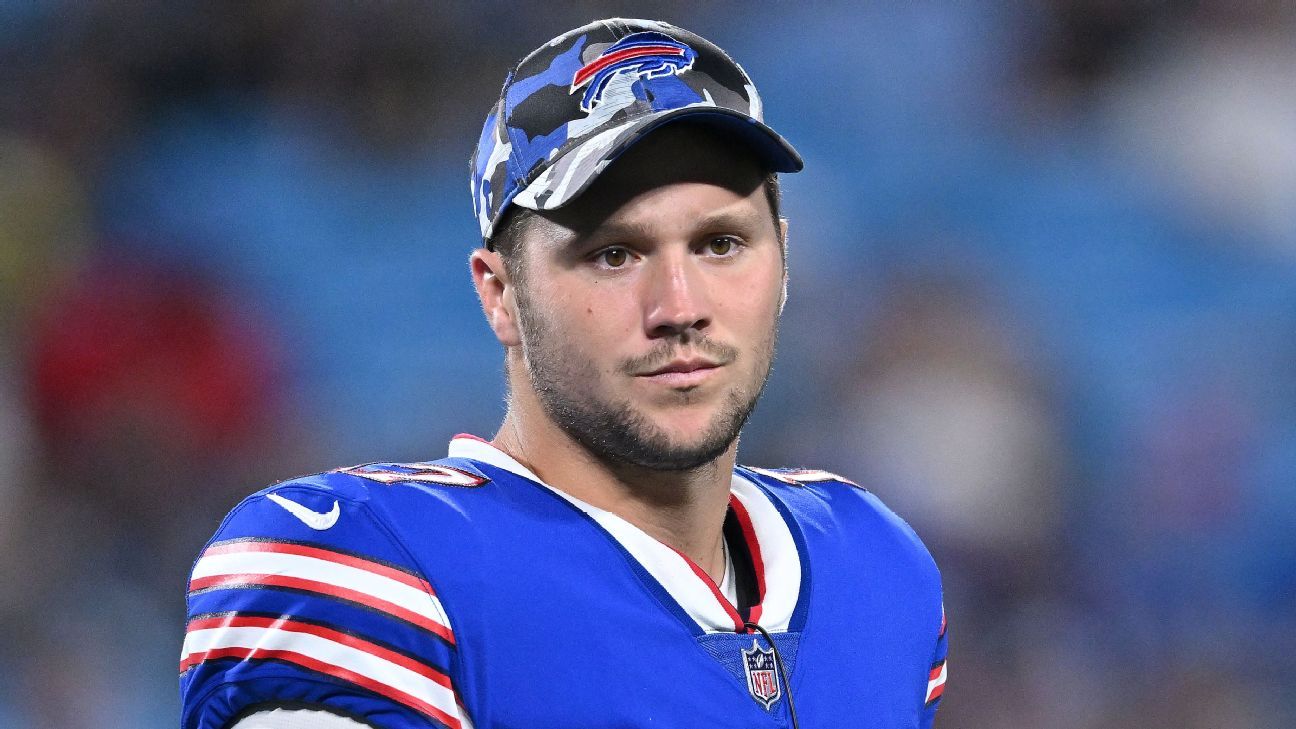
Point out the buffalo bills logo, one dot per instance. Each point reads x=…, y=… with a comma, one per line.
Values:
x=645, y=55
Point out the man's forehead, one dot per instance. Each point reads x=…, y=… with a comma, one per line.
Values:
x=741, y=212
x=681, y=207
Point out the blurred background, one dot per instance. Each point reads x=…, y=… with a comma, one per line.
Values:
x=1043, y=304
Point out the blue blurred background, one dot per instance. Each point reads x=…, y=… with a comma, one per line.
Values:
x=1043, y=303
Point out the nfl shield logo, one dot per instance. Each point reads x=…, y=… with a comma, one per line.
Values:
x=762, y=675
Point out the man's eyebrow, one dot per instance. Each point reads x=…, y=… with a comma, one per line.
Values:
x=618, y=230
x=719, y=220
x=742, y=219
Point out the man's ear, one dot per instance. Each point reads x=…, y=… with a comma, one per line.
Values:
x=498, y=298
x=783, y=241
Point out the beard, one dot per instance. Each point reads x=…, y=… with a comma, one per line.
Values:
x=566, y=383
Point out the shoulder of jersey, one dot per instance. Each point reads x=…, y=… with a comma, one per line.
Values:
x=359, y=511
x=810, y=491
x=799, y=476
x=369, y=480
x=315, y=577
x=825, y=495
x=358, y=506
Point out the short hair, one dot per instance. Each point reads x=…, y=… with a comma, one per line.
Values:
x=510, y=231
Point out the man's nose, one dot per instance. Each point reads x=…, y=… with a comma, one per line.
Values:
x=677, y=299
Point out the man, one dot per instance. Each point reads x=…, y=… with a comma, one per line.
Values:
x=602, y=561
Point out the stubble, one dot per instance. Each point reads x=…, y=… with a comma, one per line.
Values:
x=570, y=390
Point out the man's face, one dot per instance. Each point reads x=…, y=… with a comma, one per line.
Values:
x=649, y=306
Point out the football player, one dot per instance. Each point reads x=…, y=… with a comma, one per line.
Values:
x=601, y=561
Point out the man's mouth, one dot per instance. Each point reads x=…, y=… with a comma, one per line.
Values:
x=683, y=372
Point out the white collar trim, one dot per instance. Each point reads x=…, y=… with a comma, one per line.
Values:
x=687, y=584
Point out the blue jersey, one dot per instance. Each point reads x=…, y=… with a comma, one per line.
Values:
x=466, y=592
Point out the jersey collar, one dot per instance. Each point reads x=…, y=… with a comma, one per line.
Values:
x=769, y=541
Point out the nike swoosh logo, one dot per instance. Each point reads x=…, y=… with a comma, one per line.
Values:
x=316, y=520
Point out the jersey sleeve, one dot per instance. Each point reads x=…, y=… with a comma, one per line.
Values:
x=304, y=598
x=936, y=675
x=297, y=719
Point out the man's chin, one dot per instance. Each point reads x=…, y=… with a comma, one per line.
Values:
x=684, y=433
x=676, y=446
x=665, y=455
x=649, y=435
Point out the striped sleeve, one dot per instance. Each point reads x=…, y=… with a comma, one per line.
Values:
x=936, y=675
x=304, y=599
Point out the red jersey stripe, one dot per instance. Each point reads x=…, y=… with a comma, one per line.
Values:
x=753, y=548
x=739, y=627
x=322, y=588
x=329, y=669
x=328, y=555
x=294, y=626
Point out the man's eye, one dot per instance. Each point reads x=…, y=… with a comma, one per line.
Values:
x=614, y=257
x=721, y=246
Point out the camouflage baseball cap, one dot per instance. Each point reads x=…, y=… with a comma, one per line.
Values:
x=577, y=102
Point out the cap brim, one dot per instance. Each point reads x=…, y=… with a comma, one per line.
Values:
x=571, y=174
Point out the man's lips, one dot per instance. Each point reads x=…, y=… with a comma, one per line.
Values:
x=682, y=372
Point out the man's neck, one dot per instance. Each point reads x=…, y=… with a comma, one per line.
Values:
x=684, y=510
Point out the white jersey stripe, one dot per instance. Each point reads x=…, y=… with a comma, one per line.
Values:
x=935, y=683
x=666, y=565
x=324, y=571
x=670, y=569
x=778, y=552
x=326, y=651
